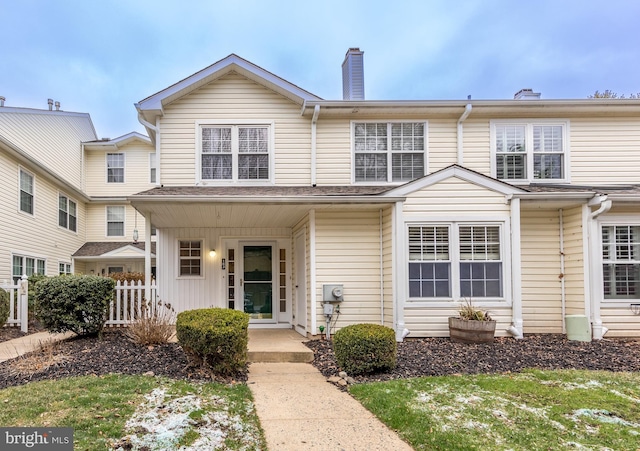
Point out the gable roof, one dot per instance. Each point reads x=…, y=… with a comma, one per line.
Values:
x=153, y=105
x=117, y=143
x=111, y=248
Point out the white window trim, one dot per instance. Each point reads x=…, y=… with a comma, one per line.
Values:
x=203, y=254
x=69, y=264
x=609, y=220
x=455, y=300
x=106, y=222
x=25, y=255
x=234, y=179
x=153, y=155
x=33, y=176
x=106, y=167
x=565, y=123
x=69, y=199
x=389, y=151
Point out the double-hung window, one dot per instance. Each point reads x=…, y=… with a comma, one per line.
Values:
x=455, y=261
x=26, y=265
x=236, y=153
x=621, y=261
x=190, y=258
x=26, y=192
x=115, y=168
x=64, y=268
x=388, y=151
x=530, y=151
x=67, y=213
x=115, y=220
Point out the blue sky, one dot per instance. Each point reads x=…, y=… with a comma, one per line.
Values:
x=102, y=56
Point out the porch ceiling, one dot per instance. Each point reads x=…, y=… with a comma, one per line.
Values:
x=246, y=215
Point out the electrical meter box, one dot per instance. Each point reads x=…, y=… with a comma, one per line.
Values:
x=332, y=293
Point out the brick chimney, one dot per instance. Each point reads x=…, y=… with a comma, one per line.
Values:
x=353, y=75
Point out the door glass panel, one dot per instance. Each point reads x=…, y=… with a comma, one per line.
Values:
x=258, y=282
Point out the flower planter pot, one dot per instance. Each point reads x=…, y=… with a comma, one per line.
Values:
x=470, y=331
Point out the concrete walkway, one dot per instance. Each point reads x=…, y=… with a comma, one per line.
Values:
x=18, y=346
x=299, y=411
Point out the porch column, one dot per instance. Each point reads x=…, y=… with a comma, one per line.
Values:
x=399, y=273
x=147, y=256
x=516, y=327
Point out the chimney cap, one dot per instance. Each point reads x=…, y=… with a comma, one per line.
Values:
x=526, y=93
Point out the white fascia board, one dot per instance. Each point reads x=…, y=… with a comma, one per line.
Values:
x=231, y=62
x=457, y=172
x=127, y=247
x=266, y=201
x=107, y=257
x=119, y=141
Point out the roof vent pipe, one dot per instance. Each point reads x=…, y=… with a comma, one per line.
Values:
x=57, y=106
x=353, y=75
x=2, y=99
x=50, y=102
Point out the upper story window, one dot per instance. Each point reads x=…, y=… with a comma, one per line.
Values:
x=67, y=213
x=236, y=153
x=115, y=220
x=153, y=168
x=621, y=261
x=532, y=151
x=26, y=192
x=115, y=168
x=388, y=151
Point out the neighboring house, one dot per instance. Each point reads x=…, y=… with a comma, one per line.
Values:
x=265, y=197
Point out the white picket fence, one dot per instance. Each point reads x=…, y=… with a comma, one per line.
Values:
x=18, y=304
x=129, y=298
x=128, y=301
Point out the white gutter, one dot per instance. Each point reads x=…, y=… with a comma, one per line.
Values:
x=465, y=114
x=597, y=329
x=314, y=121
x=333, y=200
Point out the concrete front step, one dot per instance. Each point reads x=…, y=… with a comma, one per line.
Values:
x=280, y=356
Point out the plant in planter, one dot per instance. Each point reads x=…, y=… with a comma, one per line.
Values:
x=473, y=325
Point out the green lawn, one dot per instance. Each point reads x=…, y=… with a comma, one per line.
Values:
x=533, y=410
x=106, y=409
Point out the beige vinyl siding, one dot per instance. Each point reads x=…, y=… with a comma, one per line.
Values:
x=434, y=322
x=443, y=144
x=348, y=252
x=477, y=145
x=37, y=236
x=620, y=321
x=574, y=261
x=97, y=223
x=455, y=197
x=303, y=225
x=54, y=139
x=333, y=152
x=541, y=284
x=136, y=171
x=208, y=290
x=234, y=98
x=605, y=151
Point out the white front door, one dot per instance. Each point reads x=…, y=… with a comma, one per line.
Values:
x=300, y=284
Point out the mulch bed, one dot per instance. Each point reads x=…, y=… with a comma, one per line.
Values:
x=441, y=356
x=114, y=353
x=416, y=357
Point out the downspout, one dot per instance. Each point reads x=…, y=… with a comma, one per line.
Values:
x=517, y=326
x=598, y=330
x=465, y=114
x=314, y=121
x=381, y=271
x=563, y=294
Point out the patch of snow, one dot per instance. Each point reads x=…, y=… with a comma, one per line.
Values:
x=625, y=396
x=603, y=416
x=471, y=399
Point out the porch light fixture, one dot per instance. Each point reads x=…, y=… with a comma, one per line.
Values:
x=212, y=253
x=135, y=235
x=635, y=309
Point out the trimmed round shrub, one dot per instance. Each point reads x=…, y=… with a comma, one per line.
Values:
x=33, y=280
x=4, y=307
x=214, y=338
x=365, y=348
x=75, y=303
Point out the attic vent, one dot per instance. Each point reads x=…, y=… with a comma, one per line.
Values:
x=353, y=75
x=2, y=99
x=526, y=94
